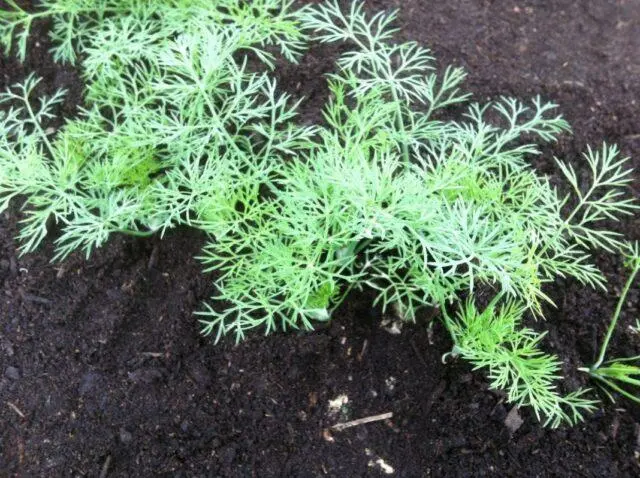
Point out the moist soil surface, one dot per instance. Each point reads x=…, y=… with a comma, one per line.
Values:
x=103, y=371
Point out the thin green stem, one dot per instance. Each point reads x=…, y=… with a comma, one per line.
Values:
x=401, y=127
x=37, y=126
x=614, y=320
x=132, y=232
x=620, y=376
x=612, y=385
x=622, y=360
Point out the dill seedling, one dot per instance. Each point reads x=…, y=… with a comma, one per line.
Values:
x=618, y=373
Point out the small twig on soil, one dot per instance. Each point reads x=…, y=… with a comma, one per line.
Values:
x=363, y=349
x=417, y=351
x=632, y=136
x=442, y=385
x=153, y=258
x=61, y=272
x=574, y=83
x=361, y=421
x=152, y=354
x=105, y=467
x=33, y=298
x=13, y=407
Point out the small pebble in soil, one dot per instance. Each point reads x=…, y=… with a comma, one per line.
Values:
x=337, y=403
x=89, y=382
x=125, y=436
x=390, y=385
x=378, y=462
x=7, y=347
x=513, y=421
x=185, y=426
x=228, y=454
x=12, y=372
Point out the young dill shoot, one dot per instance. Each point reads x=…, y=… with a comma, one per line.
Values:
x=619, y=374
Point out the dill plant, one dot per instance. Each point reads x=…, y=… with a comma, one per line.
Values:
x=177, y=128
x=423, y=211
x=181, y=127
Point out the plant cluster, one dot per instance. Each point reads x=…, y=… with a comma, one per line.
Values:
x=183, y=125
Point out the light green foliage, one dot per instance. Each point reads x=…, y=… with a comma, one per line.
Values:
x=131, y=28
x=496, y=340
x=421, y=210
x=379, y=64
x=176, y=128
x=182, y=126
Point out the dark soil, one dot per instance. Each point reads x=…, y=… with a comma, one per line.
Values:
x=103, y=372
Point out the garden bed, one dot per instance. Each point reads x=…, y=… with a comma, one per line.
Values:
x=104, y=372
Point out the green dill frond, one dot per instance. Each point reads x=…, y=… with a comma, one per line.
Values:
x=495, y=340
x=398, y=69
x=81, y=26
x=605, y=197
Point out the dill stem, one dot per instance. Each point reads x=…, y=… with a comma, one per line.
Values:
x=614, y=320
x=401, y=127
x=133, y=232
x=37, y=126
